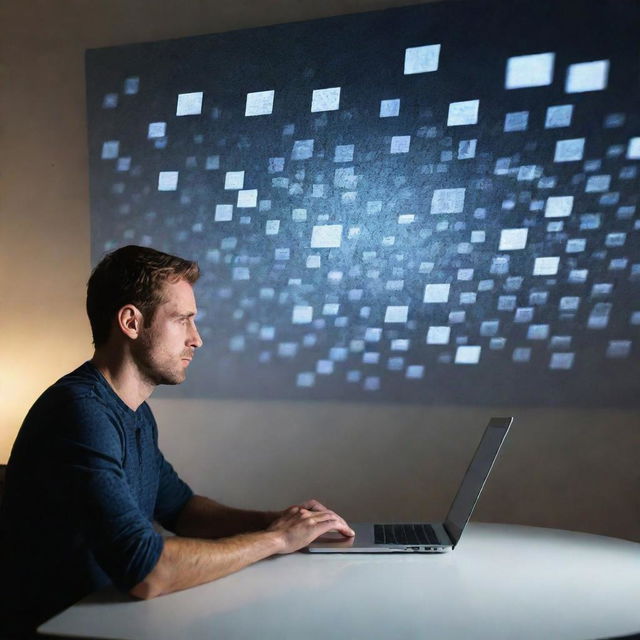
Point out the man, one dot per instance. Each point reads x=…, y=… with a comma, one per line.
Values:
x=86, y=479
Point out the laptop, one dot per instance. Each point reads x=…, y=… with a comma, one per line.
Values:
x=426, y=537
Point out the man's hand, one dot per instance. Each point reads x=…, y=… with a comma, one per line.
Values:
x=302, y=524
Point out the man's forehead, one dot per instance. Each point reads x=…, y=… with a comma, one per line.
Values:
x=179, y=297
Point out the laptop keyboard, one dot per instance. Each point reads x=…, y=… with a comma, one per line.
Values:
x=404, y=534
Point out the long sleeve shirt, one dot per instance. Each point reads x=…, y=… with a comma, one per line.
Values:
x=85, y=481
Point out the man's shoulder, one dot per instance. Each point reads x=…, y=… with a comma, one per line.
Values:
x=80, y=384
x=76, y=408
x=84, y=390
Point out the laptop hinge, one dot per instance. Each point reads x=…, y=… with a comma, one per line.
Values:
x=451, y=538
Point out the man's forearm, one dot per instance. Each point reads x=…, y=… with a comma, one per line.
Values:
x=204, y=518
x=188, y=562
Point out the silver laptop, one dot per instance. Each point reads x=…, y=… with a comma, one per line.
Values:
x=426, y=537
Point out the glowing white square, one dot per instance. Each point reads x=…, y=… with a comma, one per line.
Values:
x=558, y=116
x=234, y=180
x=587, y=76
x=110, y=149
x=167, y=180
x=396, y=314
x=421, y=59
x=302, y=314
x=415, y=371
x=406, y=218
x=302, y=150
x=448, y=200
x=338, y=354
x=326, y=236
x=522, y=354
x=400, y=344
x=324, y=367
x=110, y=101
x=558, y=207
x=438, y=335
x=259, y=103
x=343, y=153
x=373, y=334
x=241, y=273
x=538, y=332
x=516, y=121
x=547, y=266
x=467, y=149
x=569, y=150
x=224, y=212
x=267, y=333
x=400, y=144
x=330, y=309
x=306, y=379
x=598, y=184
x=435, y=293
x=325, y=99
x=247, y=198
x=561, y=360
x=527, y=172
x=633, y=149
x=272, y=228
x=344, y=178
x=131, y=85
x=619, y=349
x=157, y=130
x=389, y=108
x=576, y=245
x=313, y=262
x=512, y=239
x=468, y=355
x=534, y=70
x=461, y=113
x=189, y=104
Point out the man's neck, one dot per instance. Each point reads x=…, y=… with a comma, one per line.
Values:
x=124, y=378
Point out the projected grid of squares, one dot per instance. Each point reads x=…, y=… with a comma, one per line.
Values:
x=467, y=235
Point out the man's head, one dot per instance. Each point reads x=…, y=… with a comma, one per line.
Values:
x=132, y=275
x=144, y=298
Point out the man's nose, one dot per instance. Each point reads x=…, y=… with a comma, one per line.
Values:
x=195, y=339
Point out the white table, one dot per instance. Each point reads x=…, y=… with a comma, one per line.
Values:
x=502, y=581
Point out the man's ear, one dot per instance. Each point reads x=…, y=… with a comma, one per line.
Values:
x=130, y=321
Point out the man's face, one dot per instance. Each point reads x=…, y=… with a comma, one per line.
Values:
x=164, y=349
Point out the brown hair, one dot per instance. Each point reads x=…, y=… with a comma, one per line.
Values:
x=132, y=275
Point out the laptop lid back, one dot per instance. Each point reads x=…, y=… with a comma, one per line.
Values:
x=475, y=477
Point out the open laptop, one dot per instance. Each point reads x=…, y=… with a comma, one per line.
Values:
x=423, y=537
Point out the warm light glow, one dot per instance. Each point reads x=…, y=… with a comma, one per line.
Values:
x=29, y=375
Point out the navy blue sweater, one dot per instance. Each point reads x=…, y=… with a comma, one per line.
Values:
x=85, y=481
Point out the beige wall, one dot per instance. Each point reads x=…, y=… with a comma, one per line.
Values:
x=570, y=468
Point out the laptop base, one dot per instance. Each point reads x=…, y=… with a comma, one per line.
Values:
x=364, y=542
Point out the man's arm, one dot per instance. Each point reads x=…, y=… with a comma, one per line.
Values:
x=204, y=518
x=187, y=562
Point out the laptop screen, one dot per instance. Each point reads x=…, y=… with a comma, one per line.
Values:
x=475, y=477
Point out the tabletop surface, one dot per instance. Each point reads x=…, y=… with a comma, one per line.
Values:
x=501, y=581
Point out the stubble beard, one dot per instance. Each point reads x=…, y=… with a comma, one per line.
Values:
x=152, y=369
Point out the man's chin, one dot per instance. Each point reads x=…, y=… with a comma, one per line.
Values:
x=174, y=379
